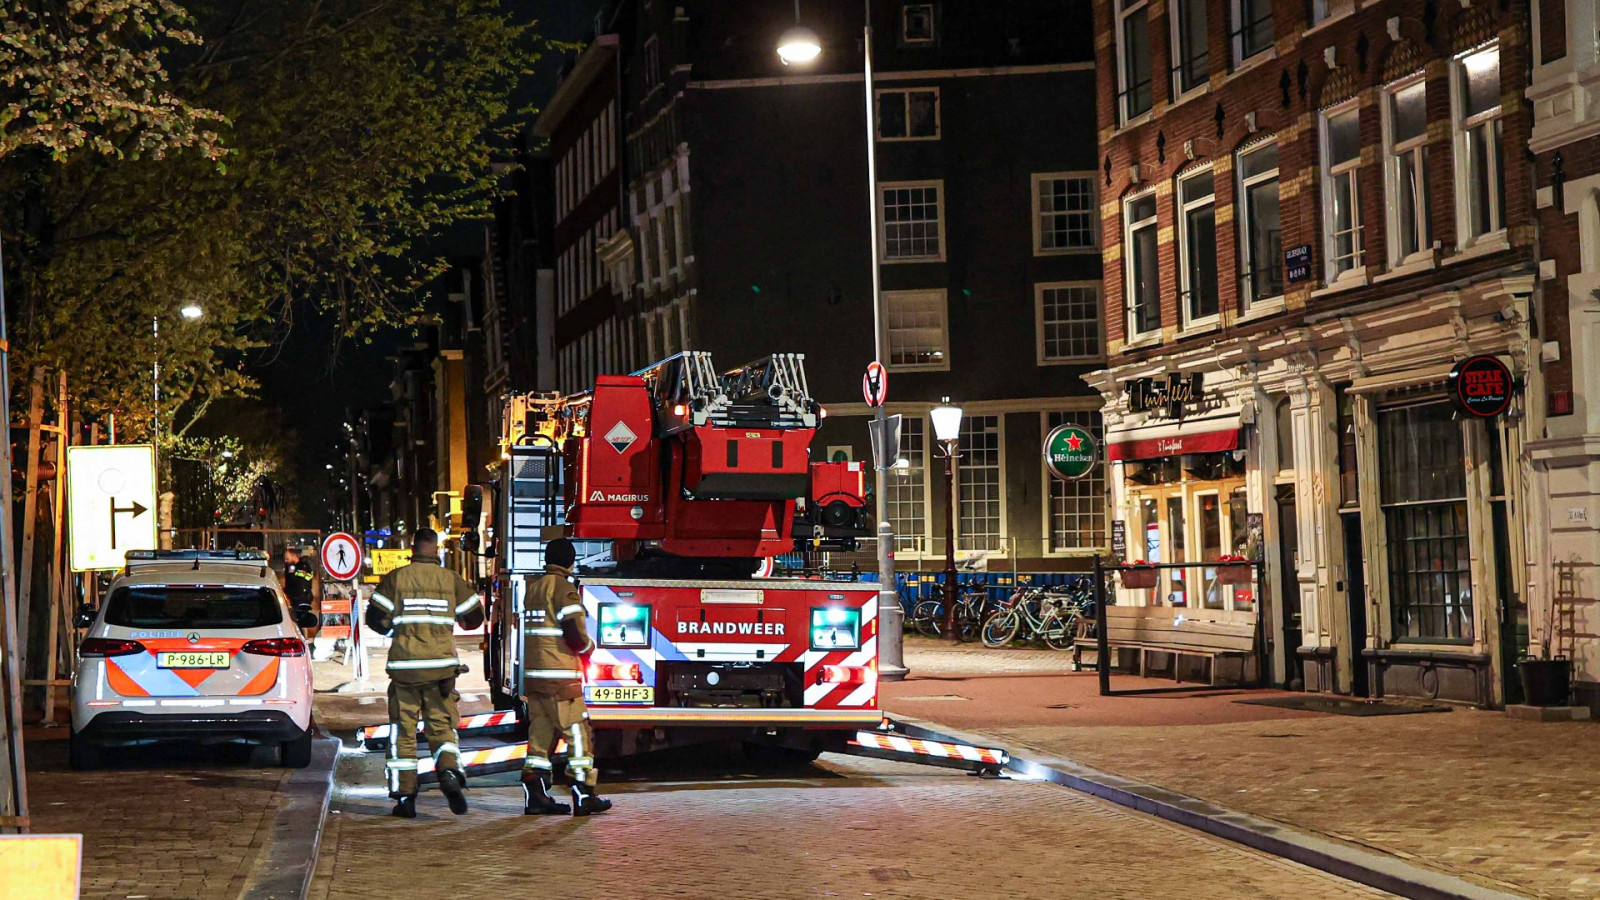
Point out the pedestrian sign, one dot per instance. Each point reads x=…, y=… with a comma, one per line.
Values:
x=111, y=496
x=1070, y=452
x=387, y=560
x=341, y=556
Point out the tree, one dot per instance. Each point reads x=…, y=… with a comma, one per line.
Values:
x=356, y=132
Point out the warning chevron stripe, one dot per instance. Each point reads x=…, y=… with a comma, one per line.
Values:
x=894, y=743
x=376, y=737
x=479, y=762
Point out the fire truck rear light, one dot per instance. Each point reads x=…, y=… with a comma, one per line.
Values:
x=844, y=675
x=108, y=647
x=680, y=410
x=276, y=647
x=615, y=672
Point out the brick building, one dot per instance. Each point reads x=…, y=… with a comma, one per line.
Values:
x=1565, y=499
x=1309, y=216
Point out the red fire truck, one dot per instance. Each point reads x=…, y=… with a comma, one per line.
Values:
x=676, y=483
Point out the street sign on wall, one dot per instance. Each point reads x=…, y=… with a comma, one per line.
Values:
x=341, y=556
x=1070, y=451
x=111, y=500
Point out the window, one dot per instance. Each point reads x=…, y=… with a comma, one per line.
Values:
x=1143, y=269
x=1260, y=228
x=1064, y=213
x=1550, y=28
x=908, y=499
x=1197, y=244
x=1423, y=494
x=1077, y=515
x=1252, y=28
x=910, y=115
x=1341, y=209
x=1480, y=157
x=1191, y=67
x=1405, y=123
x=1069, y=321
x=189, y=608
x=1133, y=58
x=652, y=63
x=916, y=24
x=979, y=526
x=915, y=328
x=911, y=221
x=669, y=237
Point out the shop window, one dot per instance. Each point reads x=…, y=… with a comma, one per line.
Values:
x=1133, y=56
x=1197, y=244
x=1260, y=226
x=982, y=485
x=1423, y=495
x=1189, y=36
x=908, y=509
x=1240, y=541
x=1144, y=267
x=1078, y=508
x=908, y=115
x=1177, y=532
x=1405, y=125
x=1480, y=154
x=1341, y=197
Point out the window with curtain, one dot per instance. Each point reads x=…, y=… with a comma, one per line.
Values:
x=1423, y=493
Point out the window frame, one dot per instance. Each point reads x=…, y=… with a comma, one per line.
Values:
x=933, y=24
x=652, y=63
x=1350, y=170
x=943, y=296
x=1093, y=212
x=1039, y=323
x=1180, y=67
x=905, y=94
x=1130, y=302
x=1101, y=473
x=1123, y=9
x=1002, y=533
x=1461, y=128
x=1416, y=147
x=1248, y=303
x=922, y=541
x=1237, y=31
x=883, y=221
x=1185, y=322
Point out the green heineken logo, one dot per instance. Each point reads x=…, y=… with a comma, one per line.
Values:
x=1070, y=451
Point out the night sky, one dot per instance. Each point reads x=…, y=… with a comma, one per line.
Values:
x=309, y=385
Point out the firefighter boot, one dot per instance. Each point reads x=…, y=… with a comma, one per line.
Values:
x=450, y=784
x=586, y=802
x=405, y=806
x=536, y=791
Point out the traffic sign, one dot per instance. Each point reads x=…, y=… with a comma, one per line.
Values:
x=386, y=560
x=875, y=384
x=341, y=556
x=111, y=492
x=1070, y=451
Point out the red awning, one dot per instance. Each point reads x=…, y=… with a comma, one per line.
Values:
x=1173, y=445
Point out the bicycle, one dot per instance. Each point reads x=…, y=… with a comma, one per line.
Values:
x=928, y=616
x=1051, y=615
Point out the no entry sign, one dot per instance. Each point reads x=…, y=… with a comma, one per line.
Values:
x=875, y=384
x=341, y=556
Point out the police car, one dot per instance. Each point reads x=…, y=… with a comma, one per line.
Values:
x=193, y=645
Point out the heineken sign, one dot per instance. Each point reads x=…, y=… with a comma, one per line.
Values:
x=1070, y=451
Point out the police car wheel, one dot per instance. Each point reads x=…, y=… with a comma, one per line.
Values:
x=81, y=754
x=295, y=754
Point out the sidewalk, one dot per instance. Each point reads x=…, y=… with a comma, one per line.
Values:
x=1507, y=804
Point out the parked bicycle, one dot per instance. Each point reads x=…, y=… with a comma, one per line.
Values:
x=971, y=608
x=1057, y=616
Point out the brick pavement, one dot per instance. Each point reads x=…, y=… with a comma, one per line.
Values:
x=848, y=828
x=1505, y=803
x=167, y=823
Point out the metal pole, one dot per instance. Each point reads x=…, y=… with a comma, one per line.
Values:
x=13, y=766
x=950, y=592
x=1102, y=641
x=891, y=618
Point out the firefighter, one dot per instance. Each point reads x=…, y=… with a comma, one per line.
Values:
x=557, y=646
x=297, y=577
x=420, y=604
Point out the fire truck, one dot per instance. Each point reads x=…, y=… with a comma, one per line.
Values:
x=679, y=484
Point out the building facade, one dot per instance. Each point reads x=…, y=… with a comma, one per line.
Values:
x=747, y=213
x=1310, y=215
x=1565, y=458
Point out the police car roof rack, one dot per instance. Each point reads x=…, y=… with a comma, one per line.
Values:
x=150, y=557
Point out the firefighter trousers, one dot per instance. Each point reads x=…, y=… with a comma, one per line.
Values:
x=434, y=703
x=550, y=719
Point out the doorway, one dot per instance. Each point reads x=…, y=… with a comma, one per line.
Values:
x=1356, y=595
x=1289, y=585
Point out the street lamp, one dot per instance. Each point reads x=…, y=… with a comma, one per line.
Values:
x=191, y=312
x=947, y=431
x=798, y=46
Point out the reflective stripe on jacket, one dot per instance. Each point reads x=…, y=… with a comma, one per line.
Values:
x=550, y=666
x=421, y=604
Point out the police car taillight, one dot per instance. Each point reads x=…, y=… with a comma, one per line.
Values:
x=108, y=647
x=843, y=675
x=615, y=672
x=276, y=647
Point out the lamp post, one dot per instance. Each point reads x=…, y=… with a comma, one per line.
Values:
x=799, y=45
x=947, y=431
x=190, y=311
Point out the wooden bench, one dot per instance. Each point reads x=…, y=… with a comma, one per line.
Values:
x=1177, y=634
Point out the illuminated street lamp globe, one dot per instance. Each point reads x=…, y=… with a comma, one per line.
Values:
x=799, y=45
x=946, y=421
x=191, y=312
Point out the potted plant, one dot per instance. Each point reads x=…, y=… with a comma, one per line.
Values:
x=1139, y=574
x=1235, y=574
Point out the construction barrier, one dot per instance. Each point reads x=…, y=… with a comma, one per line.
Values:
x=376, y=737
x=883, y=745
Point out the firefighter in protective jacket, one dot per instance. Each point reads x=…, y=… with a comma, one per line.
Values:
x=556, y=644
x=420, y=604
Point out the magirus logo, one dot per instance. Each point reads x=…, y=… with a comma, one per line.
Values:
x=599, y=496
